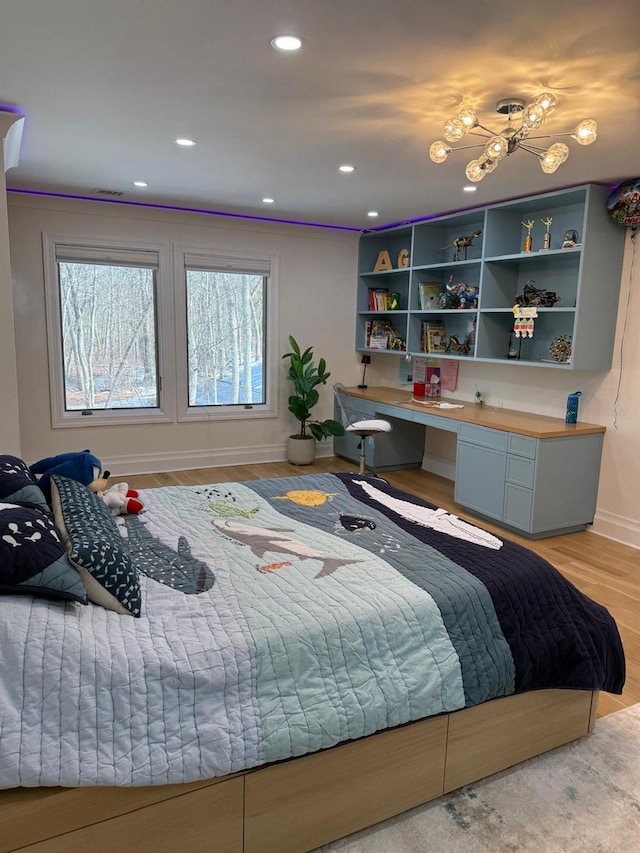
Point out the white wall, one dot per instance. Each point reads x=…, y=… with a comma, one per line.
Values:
x=609, y=398
x=9, y=422
x=317, y=275
x=317, y=305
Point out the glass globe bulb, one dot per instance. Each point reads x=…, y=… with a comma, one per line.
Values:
x=586, y=132
x=533, y=116
x=439, y=151
x=468, y=117
x=496, y=148
x=474, y=171
x=454, y=130
x=549, y=162
x=560, y=151
x=547, y=101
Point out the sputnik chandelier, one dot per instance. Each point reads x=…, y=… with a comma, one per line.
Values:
x=522, y=118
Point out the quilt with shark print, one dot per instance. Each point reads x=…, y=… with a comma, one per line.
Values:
x=281, y=617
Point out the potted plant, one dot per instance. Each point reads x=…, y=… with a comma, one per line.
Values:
x=305, y=376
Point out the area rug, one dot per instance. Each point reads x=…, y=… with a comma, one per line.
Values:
x=579, y=798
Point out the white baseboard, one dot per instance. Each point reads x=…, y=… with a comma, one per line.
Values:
x=185, y=460
x=617, y=527
x=607, y=524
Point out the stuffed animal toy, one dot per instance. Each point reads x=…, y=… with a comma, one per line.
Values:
x=82, y=466
x=122, y=500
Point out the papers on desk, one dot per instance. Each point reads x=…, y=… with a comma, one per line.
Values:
x=437, y=404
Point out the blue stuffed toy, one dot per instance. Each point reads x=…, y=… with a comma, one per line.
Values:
x=82, y=466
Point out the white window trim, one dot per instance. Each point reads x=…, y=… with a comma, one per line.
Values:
x=165, y=412
x=268, y=409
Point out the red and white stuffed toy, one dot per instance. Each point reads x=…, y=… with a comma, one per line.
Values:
x=122, y=500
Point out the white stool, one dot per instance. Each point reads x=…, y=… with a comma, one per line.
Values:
x=365, y=429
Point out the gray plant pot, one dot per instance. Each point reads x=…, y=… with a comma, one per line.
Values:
x=301, y=450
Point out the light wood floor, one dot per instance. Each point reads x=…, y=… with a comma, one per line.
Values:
x=606, y=571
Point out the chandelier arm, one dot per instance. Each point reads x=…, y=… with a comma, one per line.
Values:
x=462, y=147
x=490, y=132
x=550, y=135
x=534, y=149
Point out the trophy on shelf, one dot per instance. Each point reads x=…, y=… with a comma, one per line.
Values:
x=528, y=241
x=547, y=237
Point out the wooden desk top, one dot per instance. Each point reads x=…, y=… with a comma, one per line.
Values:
x=509, y=420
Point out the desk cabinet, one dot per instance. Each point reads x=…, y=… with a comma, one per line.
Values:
x=539, y=487
x=480, y=470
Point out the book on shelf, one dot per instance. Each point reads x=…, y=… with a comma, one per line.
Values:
x=378, y=342
x=432, y=337
x=378, y=298
x=377, y=334
x=380, y=334
x=429, y=296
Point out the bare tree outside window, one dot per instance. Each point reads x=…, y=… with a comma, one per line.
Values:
x=226, y=341
x=109, y=340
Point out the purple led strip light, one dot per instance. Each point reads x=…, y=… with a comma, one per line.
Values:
x=184, y=209
x=243, y=215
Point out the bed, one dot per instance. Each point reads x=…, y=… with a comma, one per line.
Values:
x=286, y=661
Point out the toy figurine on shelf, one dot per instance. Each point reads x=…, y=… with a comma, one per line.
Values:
x=547, y=237
x=462, y=243
x=528, y=240
x=536, y=296
x=570, y=239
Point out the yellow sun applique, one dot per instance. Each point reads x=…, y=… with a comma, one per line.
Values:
x=306, y=498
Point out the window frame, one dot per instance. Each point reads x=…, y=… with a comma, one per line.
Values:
x=60, y=416
x=216, y=257
x=171, y=331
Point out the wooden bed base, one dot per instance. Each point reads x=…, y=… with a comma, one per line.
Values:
x=299, y=804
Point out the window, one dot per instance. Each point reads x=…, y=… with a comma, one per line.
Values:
x=225, y=331
x=109, y=341
x=226, y=334
x=119, y=316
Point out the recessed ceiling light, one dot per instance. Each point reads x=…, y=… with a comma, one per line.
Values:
x=372, y=213
x=469, y=189
x=287, y=43
x=185, y=142
x=268, y=200
x=140, y=184
x=347, y=168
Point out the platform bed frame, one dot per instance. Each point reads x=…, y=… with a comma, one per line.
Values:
x=299, y=804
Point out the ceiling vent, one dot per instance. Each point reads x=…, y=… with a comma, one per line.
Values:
x=110, y=193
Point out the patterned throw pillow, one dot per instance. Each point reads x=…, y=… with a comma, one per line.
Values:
x=33, y=560
x=18, y=485
x=95, y=547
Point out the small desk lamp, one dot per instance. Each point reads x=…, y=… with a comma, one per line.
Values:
x=366, y=359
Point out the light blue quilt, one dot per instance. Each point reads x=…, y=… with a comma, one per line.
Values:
x=280, y=617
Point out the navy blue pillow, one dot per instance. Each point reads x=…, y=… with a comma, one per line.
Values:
x=18, y=485
x=33, y=560
x=95, y=547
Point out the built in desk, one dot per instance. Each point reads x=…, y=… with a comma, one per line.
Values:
x=531, y=473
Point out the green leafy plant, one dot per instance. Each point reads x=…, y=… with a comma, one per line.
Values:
x=305, y=377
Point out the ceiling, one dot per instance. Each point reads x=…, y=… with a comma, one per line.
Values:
x=108, y=85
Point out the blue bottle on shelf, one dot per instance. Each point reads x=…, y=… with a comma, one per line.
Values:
x=572, y=407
